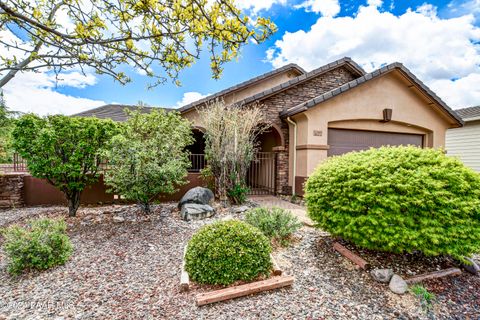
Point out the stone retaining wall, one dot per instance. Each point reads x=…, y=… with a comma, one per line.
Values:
x=11, y=190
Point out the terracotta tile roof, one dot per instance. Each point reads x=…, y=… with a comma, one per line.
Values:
x=115, y=112
x=471, y=113
x=241, y=85
x=335, y=92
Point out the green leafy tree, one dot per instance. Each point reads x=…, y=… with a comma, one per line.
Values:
x=148, y=157
x=398, y=199
x=7, y=123
x=66, y=151
x=105, y=34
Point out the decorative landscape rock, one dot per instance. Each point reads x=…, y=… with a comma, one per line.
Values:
x=118, y=219
x=197, y=195
x=382, y=275
x=195, y=211
x=240, y=209
x=473, y=268
x=398, y=285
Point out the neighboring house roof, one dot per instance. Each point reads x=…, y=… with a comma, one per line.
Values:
x=367, y=77
x=344, y=62
x=469, y=114
x=242, y=85
x=115, y=112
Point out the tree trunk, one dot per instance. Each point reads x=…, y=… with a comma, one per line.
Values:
x=73, y=203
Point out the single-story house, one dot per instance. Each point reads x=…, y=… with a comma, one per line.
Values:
x=329, y=111
x=464, y=142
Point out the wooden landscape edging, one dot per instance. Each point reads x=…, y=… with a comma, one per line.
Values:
x=244, y=289
x=351, y=256
x=276, y=269
x=434, y=275
x=184, y=278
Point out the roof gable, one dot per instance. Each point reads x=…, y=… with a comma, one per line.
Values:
x=367, y=77
x=243, y=85
x=344, y=62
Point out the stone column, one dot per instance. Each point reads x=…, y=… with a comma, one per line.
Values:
x=281, y=170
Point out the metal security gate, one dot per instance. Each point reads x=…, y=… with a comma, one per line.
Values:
x=261, y=174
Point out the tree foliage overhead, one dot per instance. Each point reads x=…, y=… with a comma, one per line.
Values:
x=149, y=156
x=104, y=34
x=398, y=199
x=66, y=151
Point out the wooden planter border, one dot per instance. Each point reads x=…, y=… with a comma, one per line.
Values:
x=244, y=290
x=277, y=281
x=434, y=275
x=359, y=261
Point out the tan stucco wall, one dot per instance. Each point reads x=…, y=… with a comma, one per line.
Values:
x=361, y=108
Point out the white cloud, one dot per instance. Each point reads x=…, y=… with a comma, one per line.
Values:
x=436, y=50
x=327, y=8
x=34, y=92
x=463, y=92
x=375, y=3
x=189, y=97
x=257, y=5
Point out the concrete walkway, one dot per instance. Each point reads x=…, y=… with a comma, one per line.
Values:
x=272, y=201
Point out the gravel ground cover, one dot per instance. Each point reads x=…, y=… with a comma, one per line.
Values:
x=127, y=266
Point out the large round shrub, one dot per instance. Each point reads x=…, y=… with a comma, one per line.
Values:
x=398, y=199
x=227, y=251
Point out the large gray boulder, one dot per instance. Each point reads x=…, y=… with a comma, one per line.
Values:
x=195, y=211
x=398, y=285
x=197, y=195
x=382, y=275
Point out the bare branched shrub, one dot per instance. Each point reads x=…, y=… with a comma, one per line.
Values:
x=230, y=144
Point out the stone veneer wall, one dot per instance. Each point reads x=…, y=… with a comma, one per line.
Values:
x=11, y=190
x=291, y=97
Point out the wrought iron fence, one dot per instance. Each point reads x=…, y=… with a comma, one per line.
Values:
x=198, y=162
x=18, y=165
x=261, y=174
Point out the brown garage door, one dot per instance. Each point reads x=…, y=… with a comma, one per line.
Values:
x=342, y=141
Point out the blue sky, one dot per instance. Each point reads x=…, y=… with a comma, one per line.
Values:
x=438, y=40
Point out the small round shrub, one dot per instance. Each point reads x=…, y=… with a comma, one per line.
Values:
x=276, y=223
x=398, y=199
x=226, y=251
x=41, y=245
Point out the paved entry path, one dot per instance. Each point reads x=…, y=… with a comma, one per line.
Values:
x=272, y=201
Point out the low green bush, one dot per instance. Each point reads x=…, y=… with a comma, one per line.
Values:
x=276, y=223
x=238, y=194
x=226, y=251
x=41, y=245
x=398, y=199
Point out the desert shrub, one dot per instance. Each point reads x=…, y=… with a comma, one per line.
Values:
x=398, y=199
x=41, y=245
x=208, y=180
x=226, y=251
x=276, y=223
x=148, y=157
x=238, y=193
x=230, y=145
